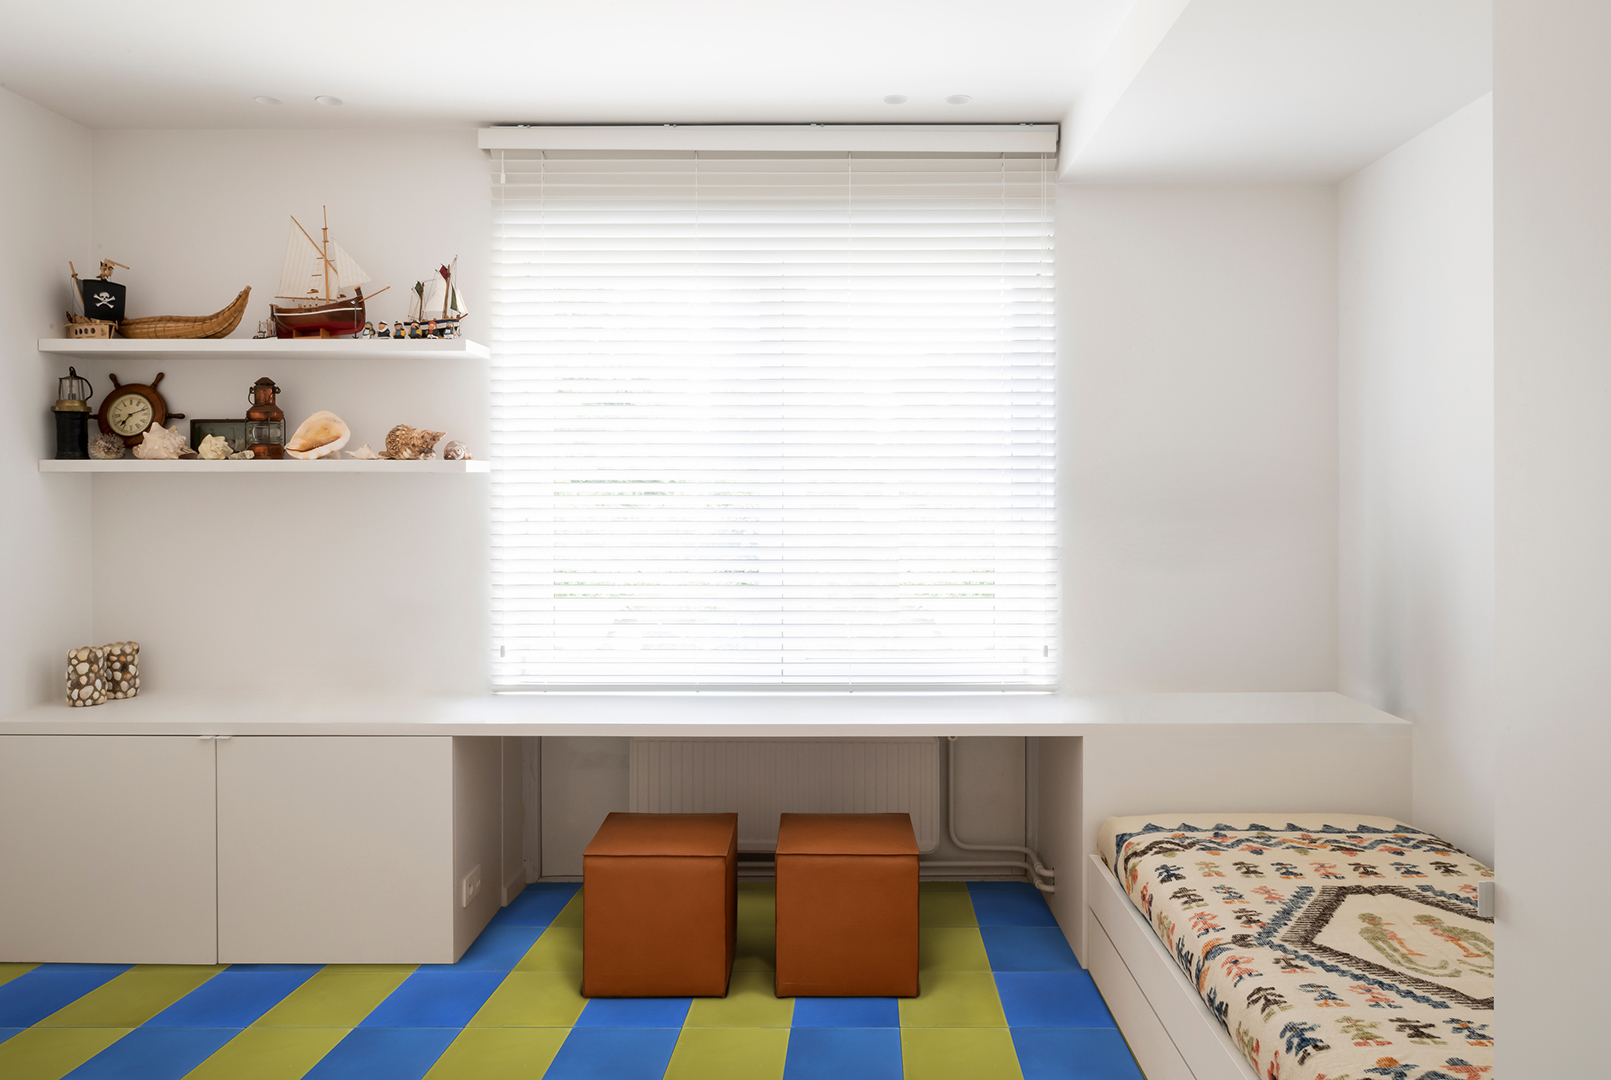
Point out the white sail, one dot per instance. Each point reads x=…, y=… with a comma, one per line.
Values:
x=345, y=273
x=303, y=276
x=436, y=298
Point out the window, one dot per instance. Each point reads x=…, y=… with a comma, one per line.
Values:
x=773, y=420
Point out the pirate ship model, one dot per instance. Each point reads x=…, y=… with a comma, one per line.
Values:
x=325, y=285
x=438, y=301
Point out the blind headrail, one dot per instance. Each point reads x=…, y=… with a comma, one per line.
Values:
x=783, y=138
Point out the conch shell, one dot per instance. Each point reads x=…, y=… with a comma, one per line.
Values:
x=161, y=444
x=214, y=448
x=455, y=451
x=404, y=443
x=320, y=435
x=363, y=453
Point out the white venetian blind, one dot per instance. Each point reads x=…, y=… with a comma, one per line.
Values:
x=773, y=420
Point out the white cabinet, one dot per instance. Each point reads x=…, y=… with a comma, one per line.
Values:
x=107, y=849
x=352, y=850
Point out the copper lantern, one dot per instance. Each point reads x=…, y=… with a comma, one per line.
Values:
x=265, y=422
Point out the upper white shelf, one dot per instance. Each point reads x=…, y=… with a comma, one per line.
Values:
x=261, y=348
x=288, y=465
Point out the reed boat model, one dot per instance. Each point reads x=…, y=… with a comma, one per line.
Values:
x=220, y=323
x=325, y=285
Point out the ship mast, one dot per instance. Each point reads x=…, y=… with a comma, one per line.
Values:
x=325, y=252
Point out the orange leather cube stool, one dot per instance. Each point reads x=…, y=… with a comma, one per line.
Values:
x=660, y=905
x=846, y=906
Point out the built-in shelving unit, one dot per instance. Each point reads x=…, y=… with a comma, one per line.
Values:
x=262, y=349
x=291, y=465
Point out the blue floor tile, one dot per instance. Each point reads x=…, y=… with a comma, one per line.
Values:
x=846, y=1012
x=1028, y=948
x=613, y=1054
x=499, y=948
x=1009, y=903
x=149, y=1053
x=1074, y=1054
x=634, y=1013
x=836, y=1053
x=537, y=905
x=435, y=998
x=378, y=1053
x=231, y=999
x=1051, y=999
x=29, y=998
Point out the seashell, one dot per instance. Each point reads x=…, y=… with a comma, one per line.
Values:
x=214, y=448
x=406, y=443
x=242, y=455
x=320, y=435
x=161, y=444
x=363, y=453
x=456, y=451
x=107, y=448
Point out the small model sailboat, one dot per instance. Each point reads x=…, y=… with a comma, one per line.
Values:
x=324, y=285
x=438, y=300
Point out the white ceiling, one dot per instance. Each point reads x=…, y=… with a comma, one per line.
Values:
x=1146, y=89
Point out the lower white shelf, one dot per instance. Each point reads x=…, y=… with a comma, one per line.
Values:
x=289, y=465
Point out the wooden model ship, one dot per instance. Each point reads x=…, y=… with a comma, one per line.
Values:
x=437, y=303
x=324, y=285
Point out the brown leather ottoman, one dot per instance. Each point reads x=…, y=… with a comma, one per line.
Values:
x=847, y=906
x=660, y=905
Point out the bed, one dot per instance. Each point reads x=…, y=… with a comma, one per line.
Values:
x=1292, y=947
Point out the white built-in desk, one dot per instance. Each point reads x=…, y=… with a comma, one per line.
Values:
x=352, y=828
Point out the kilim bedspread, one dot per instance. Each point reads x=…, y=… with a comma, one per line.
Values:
x=1331, y=947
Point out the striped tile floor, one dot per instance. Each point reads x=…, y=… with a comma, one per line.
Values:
x=1002, y=996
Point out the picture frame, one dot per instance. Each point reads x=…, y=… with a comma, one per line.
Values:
x=233, y=430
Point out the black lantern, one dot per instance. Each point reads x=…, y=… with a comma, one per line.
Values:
x=72, y=417
x=265, y=421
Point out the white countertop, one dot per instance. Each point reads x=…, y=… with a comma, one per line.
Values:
x=685, y=715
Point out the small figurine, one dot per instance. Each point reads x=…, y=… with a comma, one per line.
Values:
x=397, y=331
x=414, y=329
x=431, y=331
x=383, y=331
x=367, y=332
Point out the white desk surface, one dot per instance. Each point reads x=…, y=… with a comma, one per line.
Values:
x=688, y=715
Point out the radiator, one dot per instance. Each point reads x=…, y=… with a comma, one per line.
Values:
x=761, y=778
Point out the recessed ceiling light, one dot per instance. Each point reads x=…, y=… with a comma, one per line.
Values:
x=895, y=99
x=958, y=99
x=264, y=99
x=326, y=99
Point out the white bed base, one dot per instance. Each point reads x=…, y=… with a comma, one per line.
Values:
x=1171, y=1032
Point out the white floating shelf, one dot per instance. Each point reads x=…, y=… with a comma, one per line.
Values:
x=262, y=349
x=305, y=468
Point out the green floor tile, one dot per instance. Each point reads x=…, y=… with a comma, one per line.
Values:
x=132, y=998
x=729, y=1054
x=571, y=913
x=750, y=1003
x=499, y=1054
x=756, y=949
x=953, y=999
x=51, y=1053
x=269, y=1054
x=11, y=971
x=944, y=907
x=962, y=1054
x=333, y=998
x=951, y=948
x=558, y=949
x=757, y=903
x=534, y=999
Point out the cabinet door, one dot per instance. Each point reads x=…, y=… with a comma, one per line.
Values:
x=107, y=849
x=335, y=850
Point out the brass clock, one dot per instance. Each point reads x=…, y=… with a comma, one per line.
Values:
x=131, y=408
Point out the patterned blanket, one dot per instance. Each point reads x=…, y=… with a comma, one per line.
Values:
x=1330, y=947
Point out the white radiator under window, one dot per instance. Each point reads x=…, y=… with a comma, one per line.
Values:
x=761, y=778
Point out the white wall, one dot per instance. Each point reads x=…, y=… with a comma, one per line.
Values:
x=1416, y=402
x=277, y=582
x=44, y=526
x=1198, y=418
x=1552, y=526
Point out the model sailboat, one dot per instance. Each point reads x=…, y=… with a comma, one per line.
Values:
x=324, y=285
x=437, y=305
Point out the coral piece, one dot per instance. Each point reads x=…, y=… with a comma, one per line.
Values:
x=107, y=448
x=242, y=455
x=121, y=671
x=162, y=444
x=86, y=676
x=214, y=448
x=363, y=453
x=456, y=451
x=320, y=435
x=404, y=443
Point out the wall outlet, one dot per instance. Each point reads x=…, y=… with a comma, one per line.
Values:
x=470, y=887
